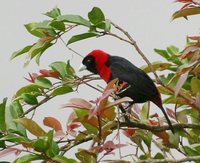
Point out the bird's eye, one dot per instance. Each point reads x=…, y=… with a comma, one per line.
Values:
x=89, y=60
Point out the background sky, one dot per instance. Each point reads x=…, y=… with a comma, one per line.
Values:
x=149, y=22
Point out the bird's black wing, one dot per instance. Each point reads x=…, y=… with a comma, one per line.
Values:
x=142, y=87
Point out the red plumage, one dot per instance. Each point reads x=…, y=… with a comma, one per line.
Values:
x=141, y=87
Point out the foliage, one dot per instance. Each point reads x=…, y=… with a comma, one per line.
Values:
x=99, y=120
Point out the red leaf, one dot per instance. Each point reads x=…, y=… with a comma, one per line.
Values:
x=8, y=151
x=187, y=52
x=153, y=122
x=129, y=132
x=53, y=123
x=78, y=103
x=180, y=83
x=171, y=113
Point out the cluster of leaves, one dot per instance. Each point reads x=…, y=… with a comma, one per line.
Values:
x=190, y=7
x=48, y=31
x=97, y=119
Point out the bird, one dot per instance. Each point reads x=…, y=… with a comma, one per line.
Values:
x=141, y=87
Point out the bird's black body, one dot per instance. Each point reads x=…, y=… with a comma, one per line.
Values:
x=140, y=86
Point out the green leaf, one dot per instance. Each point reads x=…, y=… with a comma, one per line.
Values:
x=163, y=53
x=174, y=139
x=195, y=85
x=54, y=13
x=62, y=90
x=159, y=156
x=27, y=158
x=70, y=70
x=21, y=51
x=96, y=15
x=85, y=156
x=173, y=50
x=186, y=12
x=36, y=32
x=40, y=145
x=76, y=19
x=43, y=82
x=2, y=115
x=33, y=89
x=63, y=159
x=157, y=66
x=14, y=138
x=144, y=112
x=190, y=151
x=31, y=126
x=58, y=25
x=38, y=49
x=29, y=99
x=12, y=112
x=80, y=37
x=60, y=67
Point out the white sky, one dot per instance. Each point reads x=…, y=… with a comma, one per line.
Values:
x=148, y=21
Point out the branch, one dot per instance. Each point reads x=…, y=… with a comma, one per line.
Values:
x=177, y=126
x=35, y=106
x=186, y=159
x=133, y=42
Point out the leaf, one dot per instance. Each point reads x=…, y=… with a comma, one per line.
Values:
x=157, y=66
x=63, y=159
x=13, y=111
x=163, y=53
x=60, y=67
x=173, y=50
x=86, y=156
x=21, y=51
x=2, y=115
x=31, y=126
x=76, y=19
x=43, y=82
x=62, y=90
x=38, y=48
x=54, y=13
x=180, y=83
x=96, y=15
x=119, y=101
x=29, y=99
x=195, y=85
x=53, y=123
x=40, y=145
x=58, y=25
x=144, y=112
x=27, y=158
x=36, y=32
x=27, y=89
x=186, y=12
x=80, y=37
x=78, y=103
x=9, y=151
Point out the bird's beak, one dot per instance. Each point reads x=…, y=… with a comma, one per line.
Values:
x=82, y=67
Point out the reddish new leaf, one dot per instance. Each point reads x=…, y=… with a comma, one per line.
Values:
x=53, y=123
x=78, y=103
x=171, y=113
x=119, y=101
x=129, y=132
x=186, y=12
x=180, y=83
x=8, y=151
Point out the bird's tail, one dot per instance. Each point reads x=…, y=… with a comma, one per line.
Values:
x=167, y=118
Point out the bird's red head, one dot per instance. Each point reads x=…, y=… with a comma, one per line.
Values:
x=96, y=61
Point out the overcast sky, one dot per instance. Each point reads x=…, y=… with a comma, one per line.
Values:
x=148, y=21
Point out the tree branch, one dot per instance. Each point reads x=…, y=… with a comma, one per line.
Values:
x=186, y=159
